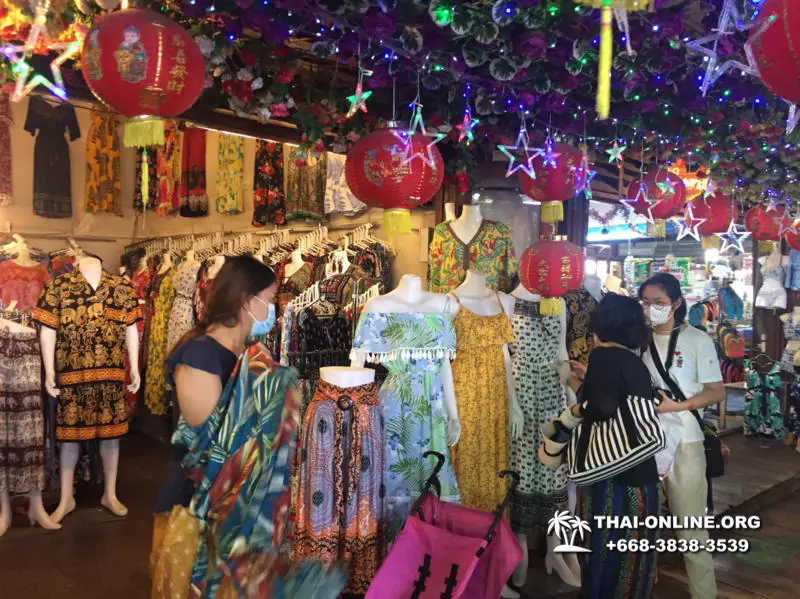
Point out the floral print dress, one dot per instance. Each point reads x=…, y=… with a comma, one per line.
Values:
x=230, y=174
x=155, y=392
x=762, y=408
x=412, y=347
x=268, y=199
x=490, y=252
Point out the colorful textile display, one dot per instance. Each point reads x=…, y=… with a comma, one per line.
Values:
x=268, y=196
x=103, y=189
x=230, y=174
x=193, y=198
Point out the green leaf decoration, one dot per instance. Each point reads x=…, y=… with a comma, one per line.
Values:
x=441, y=12
x=483, y=105
x=485, y=33
x=574, y=66
x=533, y=18
x=431, y=82
x=502, y=69
x=463, y=21
x=501, y=14
x=411, y=39
x=521, y=62
x=474, y=56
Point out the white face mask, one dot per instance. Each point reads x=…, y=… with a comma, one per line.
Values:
x=659, y=314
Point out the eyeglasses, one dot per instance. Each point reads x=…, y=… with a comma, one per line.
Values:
x=663, y=304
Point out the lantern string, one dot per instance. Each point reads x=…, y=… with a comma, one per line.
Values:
x=394, y=98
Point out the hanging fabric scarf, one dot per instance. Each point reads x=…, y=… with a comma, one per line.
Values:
x=193, y=198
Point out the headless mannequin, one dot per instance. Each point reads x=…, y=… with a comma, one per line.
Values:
x=296, y=263
x=793, y=345
x=775, y=259
x=407, y=297
x=92, y=270
x=593, y=285
x=449, y=211
x=23, y=253
x=191, y=260
x=215, y=266
x=347, y=376
x=36, y=511
x=468, y=224
x=565, y=565
x=142, y=266
x=166, y=264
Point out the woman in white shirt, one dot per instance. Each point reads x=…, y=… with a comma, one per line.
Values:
x=694, y=368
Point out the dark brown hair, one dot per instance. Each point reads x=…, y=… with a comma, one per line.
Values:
x=239, y=279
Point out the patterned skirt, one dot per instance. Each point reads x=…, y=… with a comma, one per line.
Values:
x=21, y=414
x=611, y=574
x=339, y=496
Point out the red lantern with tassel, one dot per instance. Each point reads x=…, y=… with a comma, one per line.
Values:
x=718, y=211
x=376, y=175
x=145, y=66
x=774, y=48
x=793, y=239
x=764, y=225
x=553, y=185
x=551, y=267
x=667, y=195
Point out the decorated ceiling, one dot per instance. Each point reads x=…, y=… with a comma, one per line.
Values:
x=681, y=86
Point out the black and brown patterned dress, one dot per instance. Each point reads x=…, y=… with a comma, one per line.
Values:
x=103, y=165
x=90, y=327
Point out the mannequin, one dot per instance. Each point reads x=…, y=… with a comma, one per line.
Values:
x=166, y=263
x=449, y=211
x=142, y=263
x=565, y=565
x=791, y=332
x=594, y=285
x=772, y=294
x=422, y=341
x=36, y=511
x=23, y=253
x=92, y=271
x=468, y=224
x=296, y=262
x=347, y=376
x=216, y=264
x=190, y=259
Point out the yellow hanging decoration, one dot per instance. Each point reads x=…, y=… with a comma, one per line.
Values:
x=552, y=212
x=710, y=243
x=550, y=306
x=657, y=229
x=140, y=132
x=396, y=221
x=145, y=180
x=766, y=247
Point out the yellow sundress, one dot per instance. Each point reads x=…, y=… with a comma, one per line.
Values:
x=155, y=388
x=479, y=379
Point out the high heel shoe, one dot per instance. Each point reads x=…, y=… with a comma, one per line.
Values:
x=556, y=562
x=43, y=520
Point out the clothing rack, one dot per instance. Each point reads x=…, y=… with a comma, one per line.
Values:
x=305, y=299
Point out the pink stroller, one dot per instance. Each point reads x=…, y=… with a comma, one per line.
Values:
x=447, y=551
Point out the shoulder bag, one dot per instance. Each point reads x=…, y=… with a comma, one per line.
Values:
x=715, y=464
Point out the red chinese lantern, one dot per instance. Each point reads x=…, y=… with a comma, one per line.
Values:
x=551, y=267
x=376, y=175
x=145, y=66
x=774, y=48
x=763, y=224
x=793, y=239
x=553, y=185
x=666, y=195
x=718, y=211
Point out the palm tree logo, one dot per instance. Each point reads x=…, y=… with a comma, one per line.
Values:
x=562, y=524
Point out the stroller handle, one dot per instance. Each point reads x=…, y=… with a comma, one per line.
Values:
x=498, y=513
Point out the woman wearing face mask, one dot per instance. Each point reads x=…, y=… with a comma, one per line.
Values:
x=689, y=357
x=231, y=449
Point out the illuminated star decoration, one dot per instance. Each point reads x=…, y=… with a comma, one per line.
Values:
x=615, y=153
x=732, y=238
x=791, y=122
x=789, y=221
x=666, y=186
x=526, y=164
x=418, y=128
x=630, y=203
x=466, y=127
x=26, y=78
x=688, y=224
x=583, y=177
x=710, y=190
x=358, y=101
x=728, y=17
x=548, y=155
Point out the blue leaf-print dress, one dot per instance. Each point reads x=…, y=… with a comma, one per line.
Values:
x=412, y=347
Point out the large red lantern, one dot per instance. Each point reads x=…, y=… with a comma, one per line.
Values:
x=793, y=239
x=145, y=66
x=718, y=211
x=551, y=267
x=376, y=174
x=775, y=38
x=663, y=198
x=764, y=224
x=555, y=181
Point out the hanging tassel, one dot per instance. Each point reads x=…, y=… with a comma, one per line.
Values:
x=142, y=132
x=552, y=212
x=657, y=229
x=766, y=247
x=550, y=306
x=710, y=243
x=145, y=180
x=604, y=66
x=397, y=221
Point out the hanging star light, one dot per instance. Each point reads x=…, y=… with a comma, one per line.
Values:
x=526, y=164
x=641, y=196
x=465, y=129
x=358, y=101
x=584, y=176
x=615, y=153
x=789, y=221
x=666, y=186
x=688, y=224
x=26, y=78
x=418, y=128
x=732, y=238
x=729, y=20
x=547, y=153
x=791, y=121
x=710, y=190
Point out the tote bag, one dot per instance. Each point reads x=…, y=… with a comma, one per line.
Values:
x=600, y=450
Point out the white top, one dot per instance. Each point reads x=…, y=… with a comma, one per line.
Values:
x=694, y=364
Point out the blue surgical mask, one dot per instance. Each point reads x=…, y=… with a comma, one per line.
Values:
x=262, y=327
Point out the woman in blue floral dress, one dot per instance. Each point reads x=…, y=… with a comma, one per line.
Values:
x=412, y=347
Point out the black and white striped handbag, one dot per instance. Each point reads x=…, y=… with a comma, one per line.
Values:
x=601, y=450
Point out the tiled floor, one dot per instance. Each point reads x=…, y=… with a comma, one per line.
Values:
x=97, y=556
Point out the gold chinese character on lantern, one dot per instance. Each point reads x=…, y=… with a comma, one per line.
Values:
x=178, y=42
x=175, y=85
x=180, y=57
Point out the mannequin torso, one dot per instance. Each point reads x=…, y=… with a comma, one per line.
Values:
x=408, y=296
x=449, y=211
x=23, y=257
x=295, y=264
x=468, y=224
x=216, y=264
x=92, y=271
x=477, y=297
x=166, y=263
x=343, y=376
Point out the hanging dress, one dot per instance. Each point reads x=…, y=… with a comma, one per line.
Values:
x=145, y=193
x=339, y=504
x=155, y=392
x=412, y=347
x=193, y=198
x=181, y=317
x=6, y=188
x=479, y=377
x=169, y=171
x=268, y=200
x=52, y=192
x=534, y=353
x=762, y=408
x=230, y=174
x=304, y=186
x=580, y=305
x=103, y=188
x=338, y=197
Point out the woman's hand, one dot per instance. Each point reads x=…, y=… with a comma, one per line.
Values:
x=576, y=410
x=578, y=369
x=668, y=404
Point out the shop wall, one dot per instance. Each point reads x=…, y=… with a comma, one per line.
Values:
x=106, y=235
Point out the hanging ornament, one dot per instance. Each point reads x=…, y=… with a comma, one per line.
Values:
x=710, y=189
x=549, y=155
x=417, y=130
x=775, y=38
x=730, y=20
x=688, y=224
x=792, y=119
x=695, y=181
x=637, y=203
x=465, y=129
x=717, y=211
x=764, y=226
x=615, y=154
x=26, y=79
x=667, y=194
x=522, y=146
x=551, y=267
x=358, y=101
x=584, y=175
x=732, y=238
x=556, y=181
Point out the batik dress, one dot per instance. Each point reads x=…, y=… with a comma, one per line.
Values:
x=762, y=408
x=103, y=188
x=412, y=347
x=155, y=391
